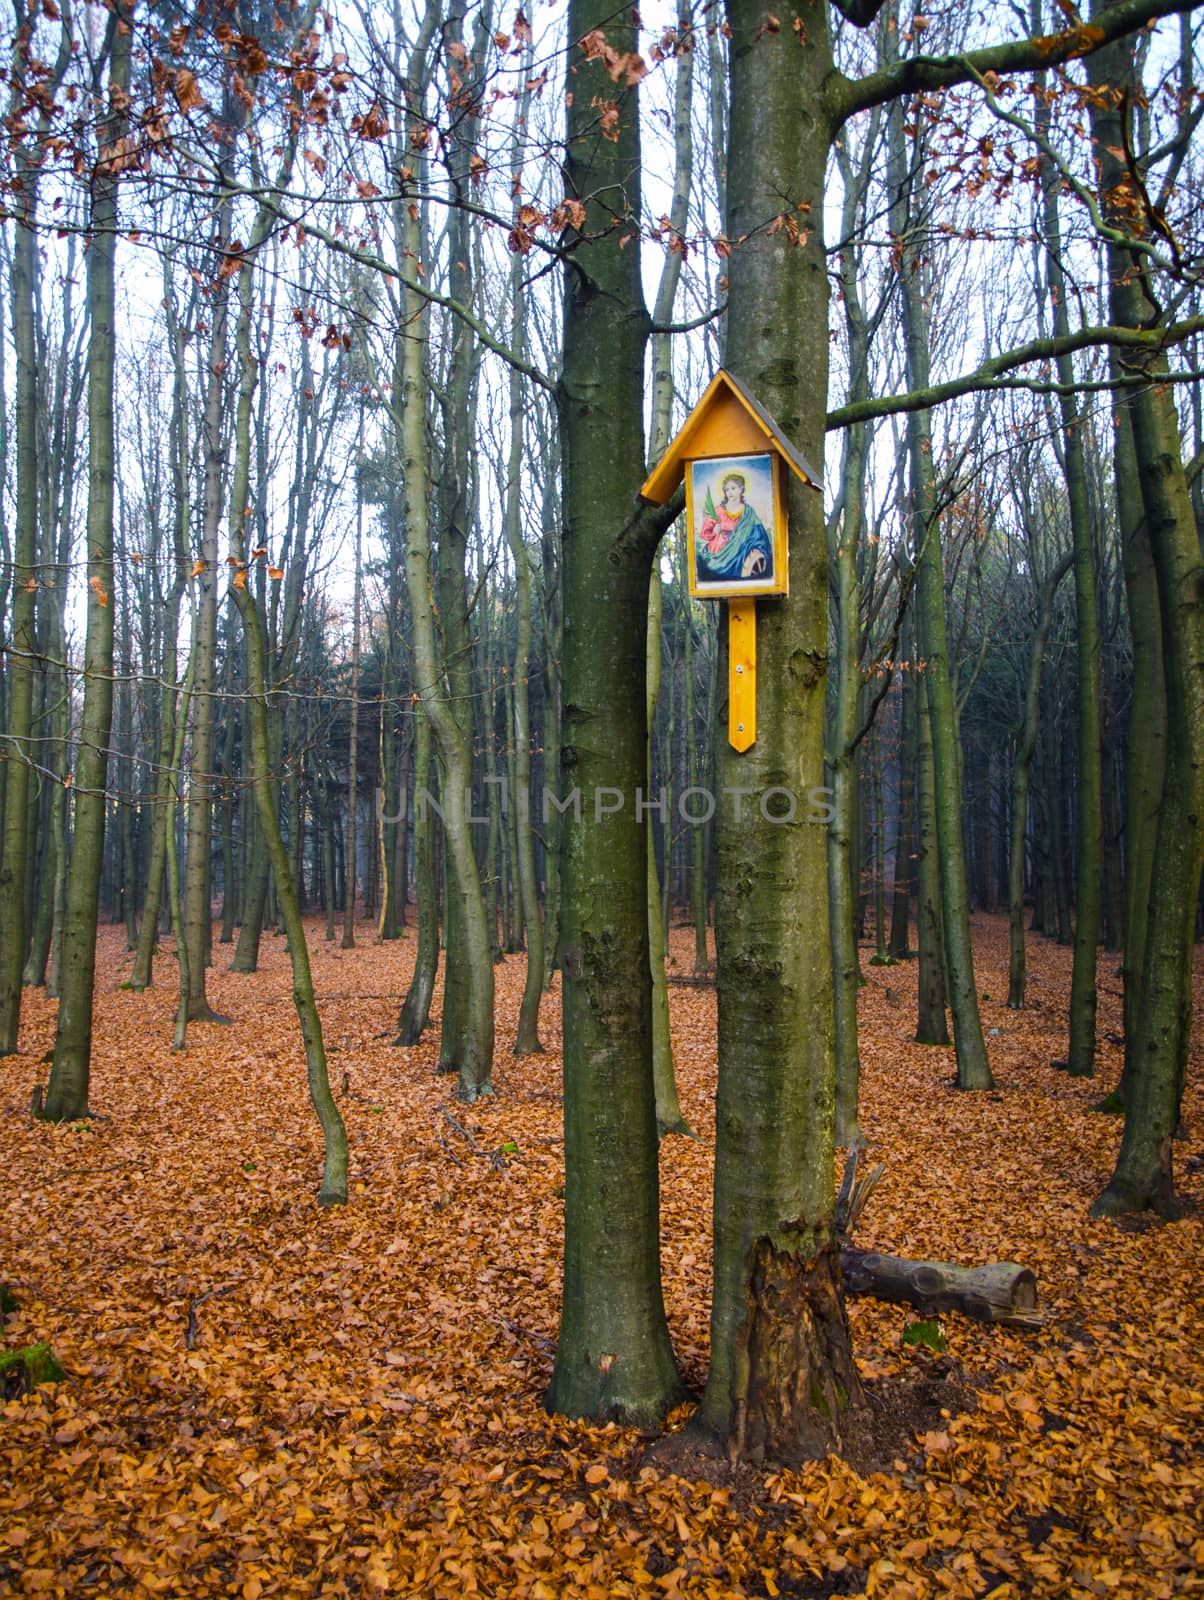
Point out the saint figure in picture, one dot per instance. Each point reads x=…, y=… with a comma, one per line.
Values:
x=732, y=543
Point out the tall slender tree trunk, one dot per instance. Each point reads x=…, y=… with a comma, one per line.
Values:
x=527, y=1039
x=1026, y=743
x=353, y=709
x=973, y=1067
x=67, y=1092
x=452, y=738
x=932, y=1025
x=19, y=663
x=1089, y=864
x=197, y=894
x=905, y=831
x=415, y=1010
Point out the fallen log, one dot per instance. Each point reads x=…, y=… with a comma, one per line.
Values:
x=1000, y=1291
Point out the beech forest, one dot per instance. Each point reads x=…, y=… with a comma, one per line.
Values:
x=601, y=799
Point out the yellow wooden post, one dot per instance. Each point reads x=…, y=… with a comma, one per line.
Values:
x=741, y=673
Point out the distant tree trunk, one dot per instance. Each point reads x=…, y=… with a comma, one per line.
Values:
x=353, y=710
x=231, y=884
x=973, y=1067
x=905, y=833
x=1089, y=880
x=669, y=1118
x=844, y=543
x=263, y=762
x=19, y=658
x=415, y=1011
x=549, y=811
x=394, y=773
x=197, y=895
x=1026, y=741
x=699, y=897
x=452, y=736
x=879, y=850
x=1114, y=886
x=932, y=1025
x=67, y=1092
x=527, y=1039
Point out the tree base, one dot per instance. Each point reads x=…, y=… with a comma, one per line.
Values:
x=206, y=1013
x=1122, y=1198
x=796, y=1384
x=471, y=1092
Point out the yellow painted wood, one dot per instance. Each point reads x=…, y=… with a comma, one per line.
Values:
x=741, y=673
x=725, y=422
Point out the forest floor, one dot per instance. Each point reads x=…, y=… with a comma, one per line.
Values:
x=268, y=1399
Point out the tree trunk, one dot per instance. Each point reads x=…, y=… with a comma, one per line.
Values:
x=932, y=1025
x=782, y=1374
x=527, y=1040
x=1089, y=865
x=23, y=644
x=905, y=833
x=1025, y=745
x=613, y=1357
x=67, y=1092
x=973, y=1067
x=474, y=959
x=415, y=1010
x=1144, y=1172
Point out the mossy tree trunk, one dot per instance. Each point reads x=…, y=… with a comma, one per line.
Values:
x=267, y=801
x=1158, y=1053
x=613, y=1356
x=905, y=834
x=1088, y=801
x=527, y=1039
x=67, y=1091
x=781, y=1371
x=19, y=658
x=470, y=959
x=973, y=1067
x=1026, y=741
x=416, y=1008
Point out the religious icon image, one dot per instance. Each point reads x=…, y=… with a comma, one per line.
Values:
x=734, y=514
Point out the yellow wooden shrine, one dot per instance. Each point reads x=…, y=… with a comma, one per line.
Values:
x=734, y=460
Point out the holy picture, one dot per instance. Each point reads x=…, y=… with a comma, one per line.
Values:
x=733, y=521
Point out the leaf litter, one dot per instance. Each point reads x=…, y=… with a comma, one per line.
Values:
x=264, y=1398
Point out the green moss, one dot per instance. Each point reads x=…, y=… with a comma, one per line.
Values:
x=8, y=1301
x=819, y=1401
x=931, y=1335
x=884, y=961
x=1111, y=1105
x=25, y=1369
